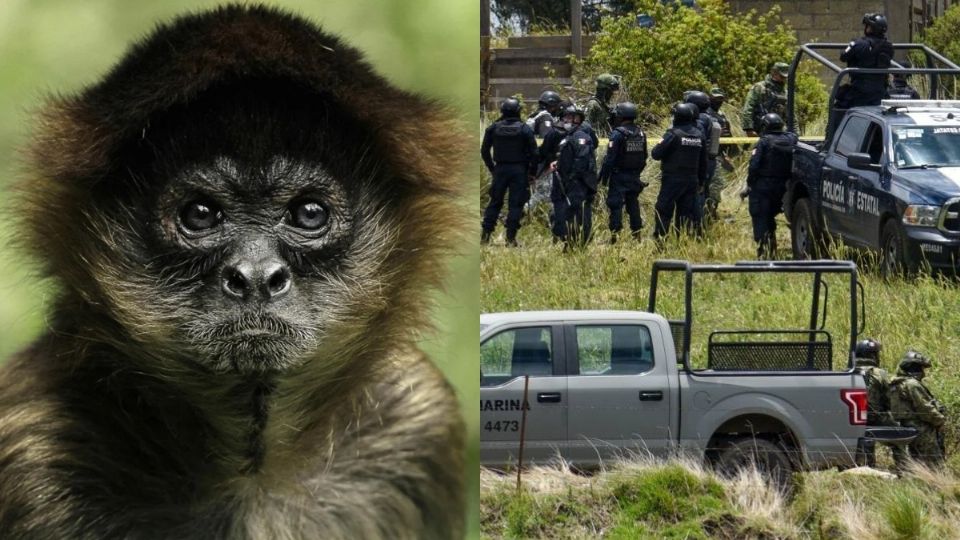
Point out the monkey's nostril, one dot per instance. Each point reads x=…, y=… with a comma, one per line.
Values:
x=278, y=282
x=235, y=283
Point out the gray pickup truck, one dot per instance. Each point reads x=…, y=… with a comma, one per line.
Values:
x=602, y=384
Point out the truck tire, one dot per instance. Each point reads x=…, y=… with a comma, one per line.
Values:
x=769, y=458
x=895, y=256
x=806, y=238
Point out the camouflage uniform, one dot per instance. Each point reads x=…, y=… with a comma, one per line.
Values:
x=717, y=182
x=913, y=405
x=597, y=112
x=766, y=96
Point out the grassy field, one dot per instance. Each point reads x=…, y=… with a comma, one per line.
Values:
x=920, y=313
x=60, y=46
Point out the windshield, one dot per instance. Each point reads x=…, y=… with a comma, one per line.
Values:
x=921, y=147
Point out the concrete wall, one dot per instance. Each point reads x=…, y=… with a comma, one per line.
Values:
x=833, y=20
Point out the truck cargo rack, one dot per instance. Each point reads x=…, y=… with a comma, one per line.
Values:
x=808, y=349
x=813, y=50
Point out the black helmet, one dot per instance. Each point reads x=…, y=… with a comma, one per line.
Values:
x=573, y=109
x=684, y=112
x=868, y=348
x=510, y=107
x=698, y=98
x=626, y=111
x=549, y=98
x=877, y=22
x=771, y=122
x=914, y=361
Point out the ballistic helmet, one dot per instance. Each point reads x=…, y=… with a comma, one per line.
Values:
x=549, y=98
x=877, y=22
x=913, y=362
x=868, y=348
x=607, y=81
x=626, y=111
x=771, y=122
x=684, y=112
x=510, y=107
x=698, y=98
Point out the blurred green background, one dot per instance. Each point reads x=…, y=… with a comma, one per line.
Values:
x=429, y=46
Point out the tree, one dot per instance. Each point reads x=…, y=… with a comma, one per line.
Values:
x=525, y=15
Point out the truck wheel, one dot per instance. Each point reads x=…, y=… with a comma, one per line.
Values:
x=805, y=237
x=769, y=458
x=895, y=257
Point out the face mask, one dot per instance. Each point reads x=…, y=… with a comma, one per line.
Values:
x=568, y=125
x=716, y=104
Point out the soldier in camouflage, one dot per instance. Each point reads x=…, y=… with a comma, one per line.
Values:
x=717, y=183
x=912, y=404
x=867, y=361
x=765, y=97
x=598, y=111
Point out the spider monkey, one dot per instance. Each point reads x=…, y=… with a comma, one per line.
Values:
x=241, y=237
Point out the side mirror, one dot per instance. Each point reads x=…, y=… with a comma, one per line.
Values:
x=862, y=162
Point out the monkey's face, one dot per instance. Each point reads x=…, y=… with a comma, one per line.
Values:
x=263, y=230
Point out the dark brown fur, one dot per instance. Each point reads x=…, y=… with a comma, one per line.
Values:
x=107, y=430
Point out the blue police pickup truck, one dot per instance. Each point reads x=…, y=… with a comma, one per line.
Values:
x=887, y=181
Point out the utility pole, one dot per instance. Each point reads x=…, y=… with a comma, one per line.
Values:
x=576, y=29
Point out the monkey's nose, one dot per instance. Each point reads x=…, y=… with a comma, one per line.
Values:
x=243, y=281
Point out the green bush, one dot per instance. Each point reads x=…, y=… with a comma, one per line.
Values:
x=942, y=35
x=697, y=49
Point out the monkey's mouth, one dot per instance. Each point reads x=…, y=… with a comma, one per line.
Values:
x=254, y=342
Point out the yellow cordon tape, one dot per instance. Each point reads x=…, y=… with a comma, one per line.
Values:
x=731, y=141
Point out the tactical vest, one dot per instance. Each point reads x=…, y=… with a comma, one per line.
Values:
x=508, y=144
x=540, y=122
x=576, y=160
x=878, y=395
x=712, y=128
x=685, y=157
x=777, y=158
x=633, y=150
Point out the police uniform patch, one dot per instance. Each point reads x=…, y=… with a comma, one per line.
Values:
x=610, y=144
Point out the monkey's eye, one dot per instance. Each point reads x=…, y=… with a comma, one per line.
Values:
x=308, y=214
x=200, y=215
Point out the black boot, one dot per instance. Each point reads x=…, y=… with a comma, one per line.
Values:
x=613, y=237
x=512, y=239
x=484, y=238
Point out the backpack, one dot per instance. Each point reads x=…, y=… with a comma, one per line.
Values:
x=878, y=393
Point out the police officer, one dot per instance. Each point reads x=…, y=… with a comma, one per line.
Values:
x=577, y=180
x=899, y=87
x=766, y=96
x=867, y=361
x=872, y=50
x=711, y=141
x=598, y=112
x=717, y=180
x=913, y=405
x=548, y=108
x=547, y=157
x=514, y=157
x=683, y=169
x=625, y=160
x=769, y=170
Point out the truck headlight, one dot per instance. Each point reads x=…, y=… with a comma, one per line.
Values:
x=921, y=215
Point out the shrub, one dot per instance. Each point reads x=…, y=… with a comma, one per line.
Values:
x=942, y=35
x=697, y=49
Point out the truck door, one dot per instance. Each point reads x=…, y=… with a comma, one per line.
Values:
x=865, y=191
x=619, y=391
x=838, y=179
x=505, y=358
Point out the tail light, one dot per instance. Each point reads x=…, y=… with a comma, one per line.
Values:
x=856, y=400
